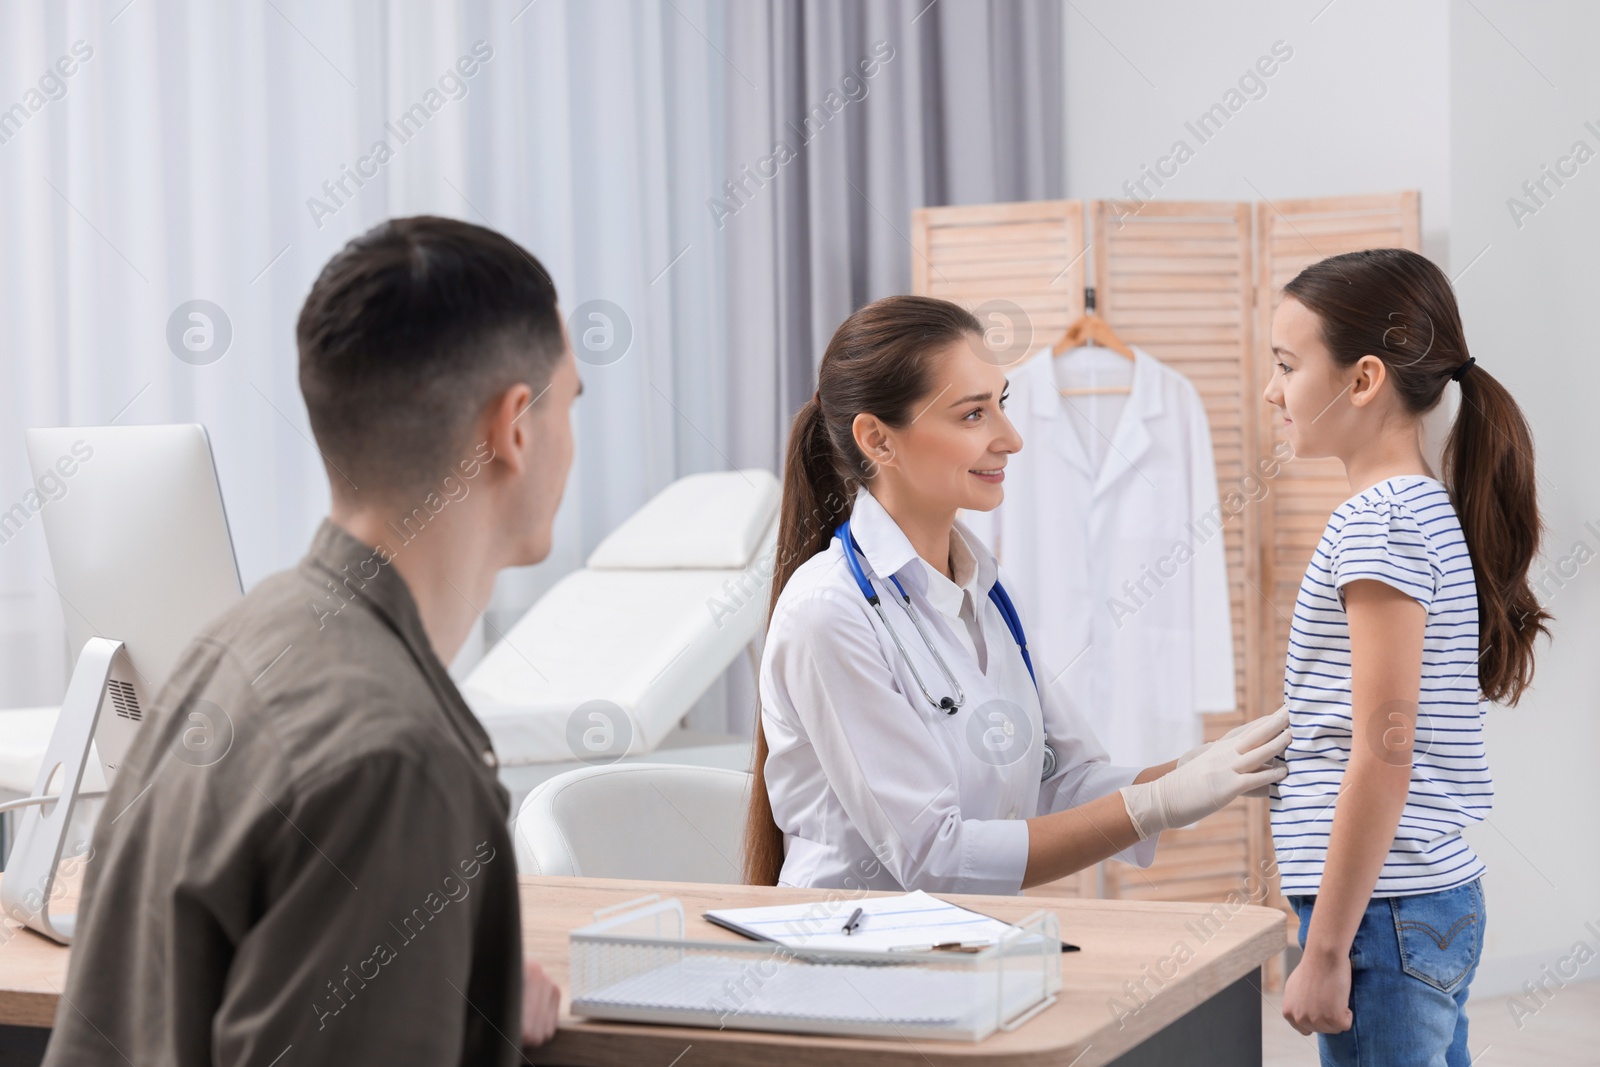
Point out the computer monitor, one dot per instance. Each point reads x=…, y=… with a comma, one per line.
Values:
x=143, y=560
x=140, y=547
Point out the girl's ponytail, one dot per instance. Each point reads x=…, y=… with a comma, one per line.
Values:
x=1397, y=305
x=879, y=361
x=1488, y=467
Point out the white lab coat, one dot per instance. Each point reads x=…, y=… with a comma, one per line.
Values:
x=1121, y=562
x=874, y=787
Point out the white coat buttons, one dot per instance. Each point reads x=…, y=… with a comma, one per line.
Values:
x=490, y=759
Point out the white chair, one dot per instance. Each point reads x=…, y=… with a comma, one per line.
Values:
x=636, y=820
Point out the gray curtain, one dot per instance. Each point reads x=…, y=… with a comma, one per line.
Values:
x=963, y=105
x=966, y=109
x=599, y=135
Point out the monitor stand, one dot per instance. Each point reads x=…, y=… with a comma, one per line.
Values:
x=30, y=884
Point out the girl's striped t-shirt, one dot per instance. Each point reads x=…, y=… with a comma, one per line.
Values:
x=1403, y=532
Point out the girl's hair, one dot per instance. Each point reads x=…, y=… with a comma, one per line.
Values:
x=877, y=362
x=1398, y=306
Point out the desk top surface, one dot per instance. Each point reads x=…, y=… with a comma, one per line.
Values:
x=1142, y=966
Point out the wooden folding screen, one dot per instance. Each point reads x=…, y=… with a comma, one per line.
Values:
x=1194, y=284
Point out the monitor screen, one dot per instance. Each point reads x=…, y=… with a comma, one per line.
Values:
x=141, y=552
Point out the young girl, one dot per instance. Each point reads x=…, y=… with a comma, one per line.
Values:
x=1416, y=606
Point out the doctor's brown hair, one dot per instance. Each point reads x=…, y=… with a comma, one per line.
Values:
x=878, y=362
x=1397, y=305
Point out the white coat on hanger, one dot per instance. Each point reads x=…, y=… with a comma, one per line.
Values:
x=1121, y=561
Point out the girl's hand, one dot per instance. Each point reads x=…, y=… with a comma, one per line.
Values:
x=1316, y=999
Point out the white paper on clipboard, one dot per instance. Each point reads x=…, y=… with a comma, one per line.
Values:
x=902, y=923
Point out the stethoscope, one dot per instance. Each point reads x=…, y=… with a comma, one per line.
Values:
x=950, y=704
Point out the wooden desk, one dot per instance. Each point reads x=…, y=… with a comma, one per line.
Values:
x=1186, y=977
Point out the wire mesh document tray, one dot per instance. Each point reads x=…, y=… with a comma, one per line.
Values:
x=633, y=964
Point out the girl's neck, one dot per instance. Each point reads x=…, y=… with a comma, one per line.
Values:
x=928, y=529
x=1384, y=456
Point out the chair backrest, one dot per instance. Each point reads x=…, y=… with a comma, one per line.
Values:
x=660, y=821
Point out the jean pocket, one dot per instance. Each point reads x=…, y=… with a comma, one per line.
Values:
x=1440, y=934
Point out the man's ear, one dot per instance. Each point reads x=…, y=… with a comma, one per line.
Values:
x=1370, y=374
x=507, y=426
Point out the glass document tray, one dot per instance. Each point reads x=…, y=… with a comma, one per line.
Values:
x=633, y=965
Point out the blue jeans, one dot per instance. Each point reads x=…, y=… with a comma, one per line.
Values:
x=1410, y=965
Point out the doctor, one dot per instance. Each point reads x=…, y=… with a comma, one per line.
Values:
x=902, y=741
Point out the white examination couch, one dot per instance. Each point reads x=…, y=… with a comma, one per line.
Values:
x=606, y=665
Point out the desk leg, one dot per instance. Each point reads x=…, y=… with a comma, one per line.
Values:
x=1225, y=1031
x=23, y=1046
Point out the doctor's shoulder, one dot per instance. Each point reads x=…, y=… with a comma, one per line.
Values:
x=819, y=590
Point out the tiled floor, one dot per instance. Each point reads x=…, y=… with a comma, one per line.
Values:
x=1564, y=1033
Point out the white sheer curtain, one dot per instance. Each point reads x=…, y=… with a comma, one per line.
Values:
x=207, y=151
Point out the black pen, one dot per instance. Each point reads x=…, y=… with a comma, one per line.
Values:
x=1066, y=946
x=853, y=923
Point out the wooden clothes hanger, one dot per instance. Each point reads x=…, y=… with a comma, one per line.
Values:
x=1088, y=331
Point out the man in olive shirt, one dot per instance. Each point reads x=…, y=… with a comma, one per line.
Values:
x=304, y=858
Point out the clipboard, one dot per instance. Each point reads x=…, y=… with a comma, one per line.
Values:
x=755, y=935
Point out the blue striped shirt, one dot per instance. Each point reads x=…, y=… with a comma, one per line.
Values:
x=1402, y=532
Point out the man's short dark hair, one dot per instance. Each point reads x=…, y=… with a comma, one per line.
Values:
x=410, y=330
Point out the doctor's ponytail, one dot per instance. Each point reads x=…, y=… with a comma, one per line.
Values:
x=878, y=362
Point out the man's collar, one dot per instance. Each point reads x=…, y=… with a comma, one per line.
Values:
x=354, y=569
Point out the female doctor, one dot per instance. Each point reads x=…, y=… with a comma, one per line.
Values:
x=907, y=739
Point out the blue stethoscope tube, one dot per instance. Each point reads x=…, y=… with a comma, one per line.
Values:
x=950, y=704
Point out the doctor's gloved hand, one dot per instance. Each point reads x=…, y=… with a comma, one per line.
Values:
x=1259, y=791
x=1212, y=777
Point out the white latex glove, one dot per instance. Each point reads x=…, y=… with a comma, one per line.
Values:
x=1259, y=791
x=1217, y=775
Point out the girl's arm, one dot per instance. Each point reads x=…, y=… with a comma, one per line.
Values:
x=1386, y=634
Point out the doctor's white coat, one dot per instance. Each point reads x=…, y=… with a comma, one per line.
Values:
x=872, y=786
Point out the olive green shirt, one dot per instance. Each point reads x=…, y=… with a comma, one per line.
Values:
x=304, y=858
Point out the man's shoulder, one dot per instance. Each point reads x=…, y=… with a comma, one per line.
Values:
x=300, y=606
x=321, y=683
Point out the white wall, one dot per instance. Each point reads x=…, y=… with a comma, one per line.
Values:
x=1522, y=83
x=1378, y=97
x=1361, y=106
